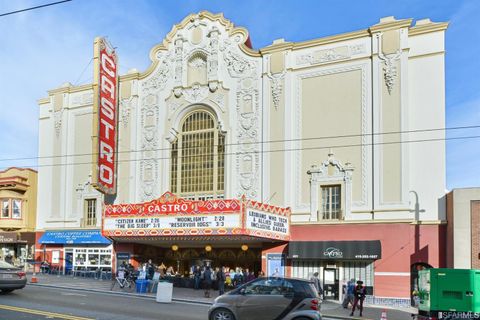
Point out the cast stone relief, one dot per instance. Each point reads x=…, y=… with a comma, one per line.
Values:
x=389, y=69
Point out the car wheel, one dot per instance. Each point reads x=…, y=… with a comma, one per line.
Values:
x=222, y=314
x=7, y=290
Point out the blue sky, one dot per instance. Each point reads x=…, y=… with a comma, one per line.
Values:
x=41, y=49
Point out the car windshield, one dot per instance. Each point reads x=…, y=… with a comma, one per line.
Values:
x=5, y=265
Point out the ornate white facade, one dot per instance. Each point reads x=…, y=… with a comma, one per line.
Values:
x=283, y=109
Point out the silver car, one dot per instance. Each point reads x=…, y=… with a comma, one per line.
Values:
x=269, y=299
x=11, y=278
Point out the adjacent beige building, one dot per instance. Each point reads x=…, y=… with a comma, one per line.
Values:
x=18, y=208
x=463, y=230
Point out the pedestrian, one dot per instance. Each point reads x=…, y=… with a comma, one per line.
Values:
x=228, y=278
x=349, y=293
x=9, y=258
x=207, y=281
x=238, y=278
x=232, y=275
x=221, y=278
x=150, y=269
x=196, y=277
x=250, y=275
x=276, y=273
x=359, y=294
x=316, y=282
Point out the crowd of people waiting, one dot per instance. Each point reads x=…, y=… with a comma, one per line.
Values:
x=204, y=277
x=224, y=278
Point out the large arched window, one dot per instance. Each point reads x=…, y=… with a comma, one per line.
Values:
x=198, y=158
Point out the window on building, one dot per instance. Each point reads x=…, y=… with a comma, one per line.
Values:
x=16, y=209
x=11, y=208
x=90, y=218
x=198, y=158
x=5, y=208
x=331, y=202
x=359, y=270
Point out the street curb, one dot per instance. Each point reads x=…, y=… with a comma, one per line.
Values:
x=324, y=315
x=116, y=293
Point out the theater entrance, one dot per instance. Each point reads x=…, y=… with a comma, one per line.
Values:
x=182, y=256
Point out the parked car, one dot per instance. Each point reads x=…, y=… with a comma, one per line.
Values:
x=269, y=299
x=11, y=277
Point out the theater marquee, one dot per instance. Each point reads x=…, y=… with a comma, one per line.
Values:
x=173, y=216
x=104, y=129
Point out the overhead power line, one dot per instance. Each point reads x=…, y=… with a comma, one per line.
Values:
x=260, y=142
x=254, y=152
x=33, y=8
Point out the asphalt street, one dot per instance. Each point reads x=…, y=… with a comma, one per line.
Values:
x=51, y=303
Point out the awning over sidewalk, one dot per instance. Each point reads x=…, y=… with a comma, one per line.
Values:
x=73, y=237
x=335, y=250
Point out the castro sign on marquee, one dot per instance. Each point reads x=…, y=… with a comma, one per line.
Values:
x=104, y=135
x=173, y=216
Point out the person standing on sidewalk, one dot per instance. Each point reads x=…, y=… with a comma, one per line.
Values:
x=359, y=293
x=150, y=269
x=207, y=281
x=197, y=272
x=349, y=294
x=221, y=280
x=317, y=284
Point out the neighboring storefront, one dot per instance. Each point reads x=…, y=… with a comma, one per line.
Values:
x=382, y=255
x=16, y=247
x=68, y=250
x=18, y=205
x=336, y=262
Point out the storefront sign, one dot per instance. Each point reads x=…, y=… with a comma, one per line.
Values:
x=335, y=250
x=73, y=237
x=332, y=252
x=104, y=117
x=173, y=216
x=8, y=237
x=123, y=255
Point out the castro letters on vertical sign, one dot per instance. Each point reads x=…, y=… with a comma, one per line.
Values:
x=107, y=118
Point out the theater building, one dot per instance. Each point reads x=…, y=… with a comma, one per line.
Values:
x=328, y=140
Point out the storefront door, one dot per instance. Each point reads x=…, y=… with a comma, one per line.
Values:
x=330, y=283
x=68, y=262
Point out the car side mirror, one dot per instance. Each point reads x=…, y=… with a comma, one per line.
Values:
x=242, y=291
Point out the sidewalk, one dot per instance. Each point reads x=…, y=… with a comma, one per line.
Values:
x=329, y=309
